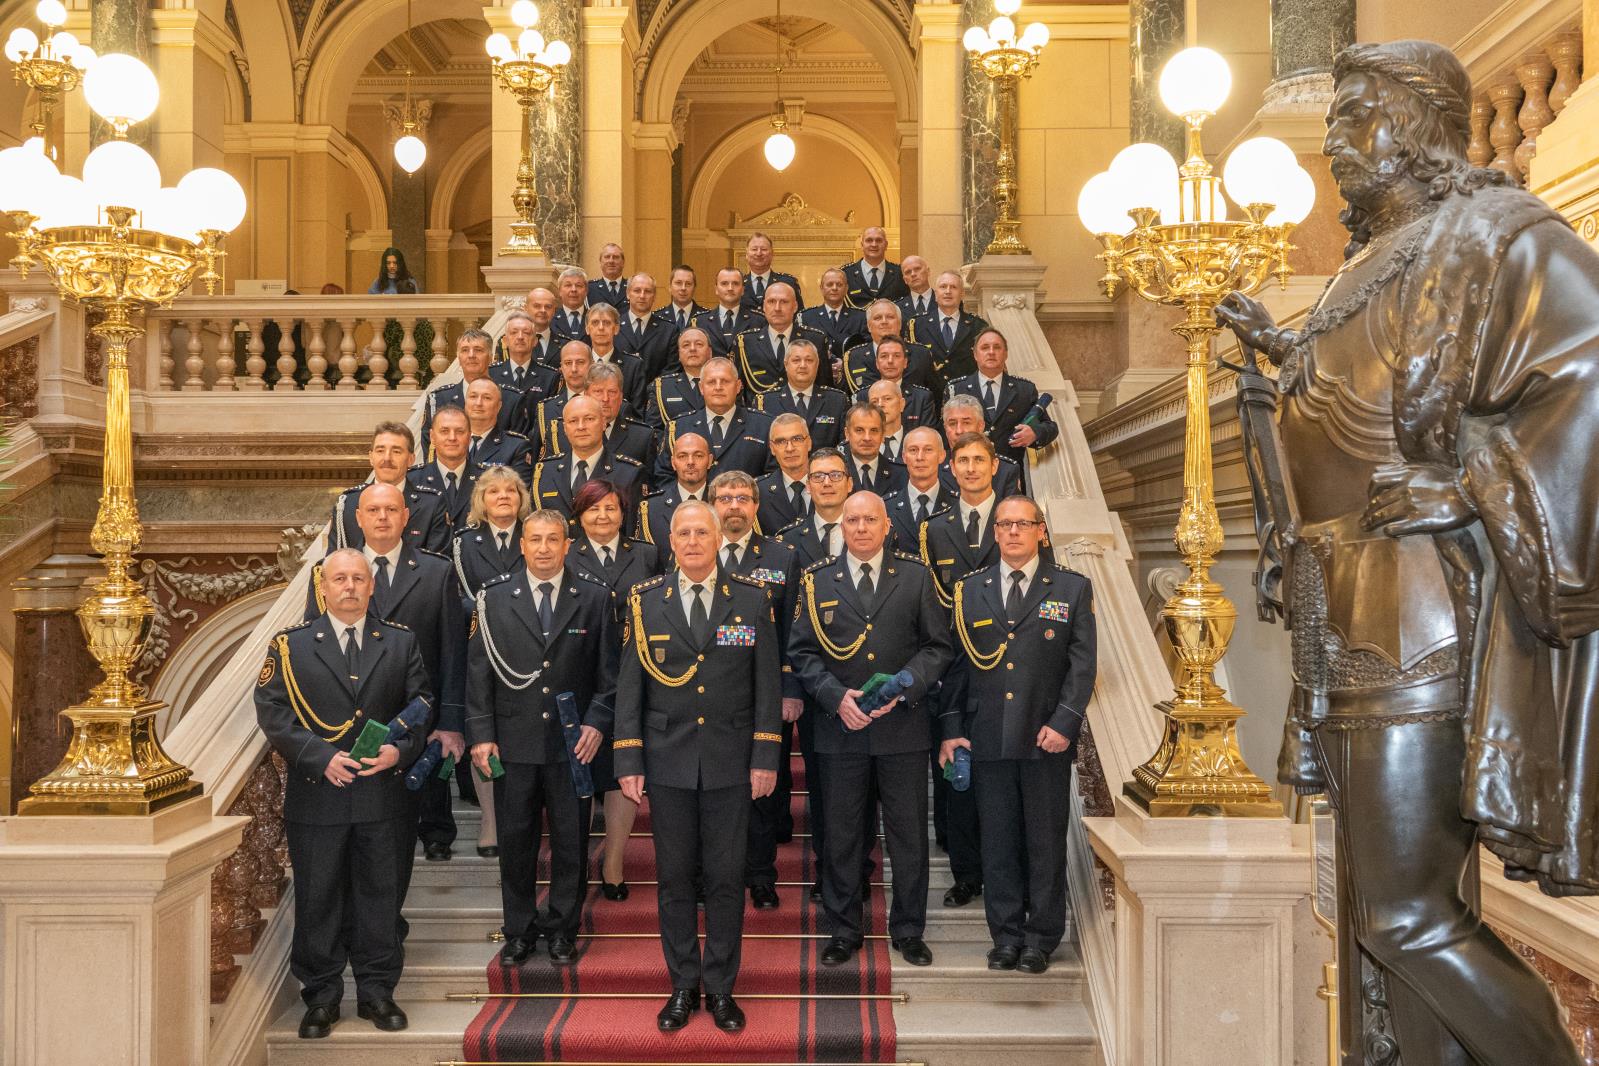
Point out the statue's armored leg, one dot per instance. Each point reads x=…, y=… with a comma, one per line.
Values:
x=1408, y=851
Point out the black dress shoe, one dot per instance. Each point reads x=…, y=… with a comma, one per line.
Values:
x=319, y=1022
x=488, y=851
x=434, y=851
x=615, y=893
x=562, y=950
x=962, y=893
x=727, y=1015
x=384, y=1014
x=816, y=892
x=674, y=1015
x=518, y=949
x=913, y=949
x=838, y=951
x=1032, y=960
x=1003, y=957
x=764, y=897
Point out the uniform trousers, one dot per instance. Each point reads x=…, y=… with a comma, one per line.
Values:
x=347, y=897
x=1456, y=993
x=436, y=822
x=704, y=831
x=902, y=791
x=528, y=795
x=815, y=810
x=767, y=817
x=1023, y=805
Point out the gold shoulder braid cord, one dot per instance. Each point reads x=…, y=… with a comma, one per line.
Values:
x=979, y=660
x=927, y=561
x=509, y=676
x=642, y=649
x=839, y=653
x=298, y=702
x=749, y=371
x=316, y=584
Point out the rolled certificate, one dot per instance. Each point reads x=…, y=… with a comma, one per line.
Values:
x=572, y=731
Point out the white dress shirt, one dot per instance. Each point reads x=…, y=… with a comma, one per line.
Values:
x=876, y=562
x=685, y=588
x=533, y=583
x=982, y=510
x=342, y=628
x=1027, y=572
x=838, y=534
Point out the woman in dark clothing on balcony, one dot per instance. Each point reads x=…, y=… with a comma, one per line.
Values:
x=394, y=277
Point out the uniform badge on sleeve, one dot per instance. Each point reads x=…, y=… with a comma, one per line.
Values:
x=1053, y=611
x=735, y=636
x=268, y=668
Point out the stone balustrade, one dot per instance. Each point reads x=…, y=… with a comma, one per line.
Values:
x=311, y=343
x=1517, y=97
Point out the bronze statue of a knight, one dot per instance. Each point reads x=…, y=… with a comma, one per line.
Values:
x=1438, y=438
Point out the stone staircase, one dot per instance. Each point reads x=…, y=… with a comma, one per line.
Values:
x=958, y=1012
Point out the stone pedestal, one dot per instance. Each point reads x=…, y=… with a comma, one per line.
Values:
x=104, y=932
x=54, y=669
x=1207, y=911
x=510, y=279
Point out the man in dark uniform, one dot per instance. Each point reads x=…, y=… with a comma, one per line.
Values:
x=540, y=305
x=692, y=632
x=1021, y=727
x=872, y=276
x=603, y=323
x=350, y=824
x=451, y=473
x=676, y=393
x=623, y=436
x=472, y=350
x=571, y=316
x=491, y=446
x=860, y=367
x=1010, y=404
x=762, y=353
x=961, y=415
x=863, y=452
x=771, y=562
x=761, y=276
x=924, y=495
x=737, y=434
x=871, y=611
x=557, y=477
x=537, y=632
x=918, y=299
x=724, y=322
x=575, y=363
x=392, y=453
x=644, y=332
x=889, y=401
x=681, y=308
x=843, y=324
x=948, y=330
x=610, y=287
x=417, y=589
x=821, y=407
x=691, y=465
x=522, y=370
x=783, y=494
x=921, y=405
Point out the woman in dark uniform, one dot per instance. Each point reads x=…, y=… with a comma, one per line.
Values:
x=601, y=552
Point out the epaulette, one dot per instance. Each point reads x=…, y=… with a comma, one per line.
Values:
x=518, y=436
x=353, y=488
x=750, y=581
x=908, y=557
x=946, y=509
x=797, y=523
x=496, y=579
x=819, y=564
x=436, y=555
x=827, y=388
x=628, y=459
x=1006, y=459
x=296, y=626
x=647, y=584
x=415, y=467
x=584, y=575
x=394, y=625
x=426, y=488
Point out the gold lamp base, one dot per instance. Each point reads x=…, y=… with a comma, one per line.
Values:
x=113, y=765
x=524, y=242
x=1198, y=769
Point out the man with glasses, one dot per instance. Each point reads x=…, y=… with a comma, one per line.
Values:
x=871, y=611
x=820, y=406
x=784, y=495
x=1021, y=727
x=772, y=563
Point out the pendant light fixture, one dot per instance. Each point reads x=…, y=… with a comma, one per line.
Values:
x=410, y=151
x=780, y=146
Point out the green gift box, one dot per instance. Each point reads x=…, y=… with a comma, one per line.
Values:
x=447, y=768
x=496, y=769
x=373, y=736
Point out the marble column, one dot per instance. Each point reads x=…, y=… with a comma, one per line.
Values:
x=1306, y=35
x=53, y=667
x=120, y=26
x=1157, y=30
x=558, y=139
x=979, y=140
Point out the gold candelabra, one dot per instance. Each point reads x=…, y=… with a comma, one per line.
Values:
x=526, y=68
x=51, y=65
x=84, y=236
x=1005, y=59
x=1165, y=234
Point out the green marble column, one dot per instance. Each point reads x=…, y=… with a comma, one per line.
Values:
x=558, y=139
x=979, y=140
x=1307, y=34
x=120, y=26
x=1156, y=31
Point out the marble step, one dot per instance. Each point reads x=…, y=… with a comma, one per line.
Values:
x=434, y=1036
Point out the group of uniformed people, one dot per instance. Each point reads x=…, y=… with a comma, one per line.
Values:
x=652, y=550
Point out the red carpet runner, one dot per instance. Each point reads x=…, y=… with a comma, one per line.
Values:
x=623, y=1030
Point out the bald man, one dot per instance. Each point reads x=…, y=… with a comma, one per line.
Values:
x=919, y=298
x=872, y=276
x=556, y=478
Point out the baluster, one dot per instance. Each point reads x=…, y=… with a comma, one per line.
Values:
x=378, y=361
x=164, y=343
x=226, y=364
x=254, y=360
x=408, y=363
x=348, y=363
x=439, y=363
x=315, y=360
x=1535, y=72
x=1480, y=151
x=1565, y=51
x=194, y=365
x=1505, y=133
x=286, y=364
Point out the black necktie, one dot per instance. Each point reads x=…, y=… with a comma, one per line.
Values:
x=873, y=283
x=695, y=382
x=888, y=447
x=827, y=536
x=352, y=656
x=577, y=325
x=973, y=536
x=450, y=488
x=727, y=321
x=1013, y=598
x=863, y=588
x=699, y=622
x=921, y=304
x=833, y=317
x=580, y=478
x=381, y=585
x=803, y=404
x=782, y=348
x=988, y=398
x=605, y=556
x=949, y=332
x=866, y=476
x=546, y=591
x=472, y=452
x=798, y=489
x=921, y=508
x=520, y=378
x=730, y=559
x=682, y=320
x=716, y=431
x=505, y=543
x=760, y=286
